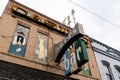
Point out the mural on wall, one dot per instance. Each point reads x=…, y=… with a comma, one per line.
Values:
x=18, y=44
x=41, y=48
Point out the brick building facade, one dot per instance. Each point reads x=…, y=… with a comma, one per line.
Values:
x=27, y=40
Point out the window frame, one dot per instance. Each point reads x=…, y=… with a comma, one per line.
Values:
x=107, y=64
x=21, y=54
x=41, y=32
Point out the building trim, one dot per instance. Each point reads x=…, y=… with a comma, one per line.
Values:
x=115, y=53
x=105, y=53
x=3, y=57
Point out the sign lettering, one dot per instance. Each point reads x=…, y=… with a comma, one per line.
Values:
x=39, y=20
x=66, y=64
x=78, y=50
x=50, y=24
x=81, y=52
x=73, y=62
x=19, y=10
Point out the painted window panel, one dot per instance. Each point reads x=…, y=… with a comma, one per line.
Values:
x=18, y=44
x=41, y=48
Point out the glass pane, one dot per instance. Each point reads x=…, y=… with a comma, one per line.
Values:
x=18, y=44
x=41, y=48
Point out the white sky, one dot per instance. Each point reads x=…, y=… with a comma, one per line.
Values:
x=2, y=6
x=93, y=25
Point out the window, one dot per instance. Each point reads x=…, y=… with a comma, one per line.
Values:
x=109, y=73
x=41, y=48
x=108, y=76
x=118, y=70
x=18, y=44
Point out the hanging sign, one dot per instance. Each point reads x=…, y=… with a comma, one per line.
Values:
x=61, y=47
x=70, y=61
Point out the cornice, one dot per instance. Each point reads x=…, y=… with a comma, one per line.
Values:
x=105, y=49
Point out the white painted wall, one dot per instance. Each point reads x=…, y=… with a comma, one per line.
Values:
x=103, y=70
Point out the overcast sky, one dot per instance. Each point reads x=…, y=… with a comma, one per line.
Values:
x=94, y=26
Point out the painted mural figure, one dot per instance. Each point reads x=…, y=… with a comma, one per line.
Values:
x=41, y=47
x=19, y=39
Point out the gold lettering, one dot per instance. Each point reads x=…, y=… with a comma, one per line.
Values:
x=38, y=19
x=19, y=10
x=62, y=29
x=50, y=24
x=35, y=17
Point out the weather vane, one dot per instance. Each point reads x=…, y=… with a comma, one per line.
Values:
x=68, y=18
x=72, y=13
